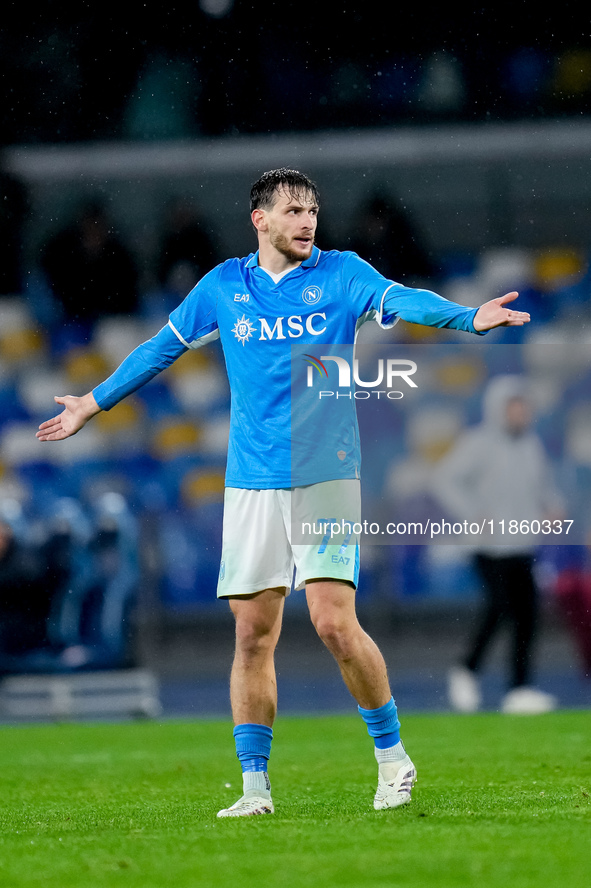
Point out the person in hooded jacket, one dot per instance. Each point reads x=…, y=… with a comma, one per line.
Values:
x=497, y=472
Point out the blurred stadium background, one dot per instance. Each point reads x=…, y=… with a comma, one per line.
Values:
x=453, y=153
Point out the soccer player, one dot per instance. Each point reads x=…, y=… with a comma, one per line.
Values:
x=287, y=292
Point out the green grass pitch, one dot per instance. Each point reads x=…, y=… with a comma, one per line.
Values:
x=500, y=801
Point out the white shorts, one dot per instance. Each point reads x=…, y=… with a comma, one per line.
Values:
x=269, y=532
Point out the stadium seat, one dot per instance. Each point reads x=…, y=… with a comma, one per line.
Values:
x=175, y=436
x=202, y=485
x=21, y=341
x=503, y=269
x=215, y=433
x=83, y=366
x=80, y=448
x=172, y=472
x=122, y=428
x=12, y=408
x=19, y=445
x=198, y=382
x=189, y=551
x=14, y=314
x=199, y=391
x=158, y=400
x=557, y=267
x=21, y=346
x=37, y=387
x=115, y=337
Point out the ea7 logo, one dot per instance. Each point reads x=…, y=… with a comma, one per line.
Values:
x=241, y=297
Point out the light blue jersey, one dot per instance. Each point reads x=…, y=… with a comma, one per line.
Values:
x=322, y=301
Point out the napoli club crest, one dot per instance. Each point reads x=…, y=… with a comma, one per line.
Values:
x=311, y=295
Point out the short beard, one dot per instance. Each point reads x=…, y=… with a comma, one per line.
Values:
x=281, y=244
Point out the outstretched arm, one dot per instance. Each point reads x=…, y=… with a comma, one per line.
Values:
x=430, y=309
x=494, y=314
x=76, y=413
x=369, y=289
x=139, y=367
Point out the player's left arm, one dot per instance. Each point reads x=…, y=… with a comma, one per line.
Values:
x=494, y=314
x=432, y=310
x=391, y=301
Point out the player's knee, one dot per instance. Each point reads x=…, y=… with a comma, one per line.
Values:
x=255, y=636
x=336, y=633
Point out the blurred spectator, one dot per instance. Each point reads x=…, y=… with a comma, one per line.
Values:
x=527, y=73
x=186, y=250
x=443, y=89
x=67, y=593
x=94, y=620
x=430, y=432
x=387, y=238
x=573, y=591
x=13, y=209
x=163, y=103
x=90, y=272
x=25, y=594
x=499, y=471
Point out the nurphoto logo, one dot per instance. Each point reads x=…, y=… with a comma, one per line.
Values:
x=387, y=372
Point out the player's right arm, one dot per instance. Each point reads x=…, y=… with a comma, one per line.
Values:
x=144, y=362
x=76, y=413
x=191, y=325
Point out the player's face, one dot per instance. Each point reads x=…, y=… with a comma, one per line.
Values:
x=291, y=225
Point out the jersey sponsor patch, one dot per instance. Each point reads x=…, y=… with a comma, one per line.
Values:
x=243, y=329
x=280, y=328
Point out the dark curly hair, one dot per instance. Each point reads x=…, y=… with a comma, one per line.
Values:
x=264, y=191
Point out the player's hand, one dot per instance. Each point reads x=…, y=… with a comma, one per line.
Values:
x=494, y=314
x=76, y=413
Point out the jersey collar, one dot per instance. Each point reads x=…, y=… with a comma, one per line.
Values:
x=313, y=260
x=307, y=263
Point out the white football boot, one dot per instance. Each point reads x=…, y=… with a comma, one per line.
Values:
x=256, y=798
x=395, y=783
x=255, y=801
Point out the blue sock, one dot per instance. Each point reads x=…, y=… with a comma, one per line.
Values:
x=382, y=724
x=253, y=746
